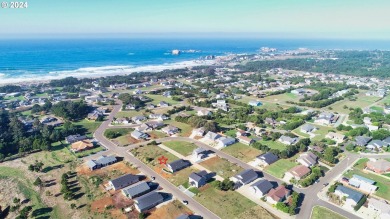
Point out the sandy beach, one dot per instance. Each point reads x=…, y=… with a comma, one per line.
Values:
x=95, y=72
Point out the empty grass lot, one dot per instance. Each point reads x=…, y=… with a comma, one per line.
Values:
x=361, y=102
x=181, y=147
x=156, y=99
x=228, y=204
x=280, y=167
x=324, y=213
x=222, y=167
x=89, y=126
x=149, y=154
x=382, y=183
x=129, y=113
x=181, y=177
x=273, y=144
x=241, y=151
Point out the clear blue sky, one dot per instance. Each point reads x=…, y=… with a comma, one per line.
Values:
x=284, y=18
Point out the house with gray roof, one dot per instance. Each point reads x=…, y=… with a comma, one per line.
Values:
x=362, y=183
x=123, y=181
x=387, y=141
x=148, y=201
x=308, y=159
x=362, y=140
x=212, y=136
x=266, y=159
x=245, y=177
x=352, y=196
x=284, y=139
x=136, y=190
x=74, y=138
x=183, y=216
x=199, y=154
x=225, y=141
x=102, y=161
x=178, y=165
x=308, y=128
x=139, y=135
x=262, y=187
x=198, y=179
x=376, y=144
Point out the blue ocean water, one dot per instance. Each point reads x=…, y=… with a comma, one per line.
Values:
x=34, y=58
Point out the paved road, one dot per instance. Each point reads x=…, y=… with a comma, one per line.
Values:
x=121, y=151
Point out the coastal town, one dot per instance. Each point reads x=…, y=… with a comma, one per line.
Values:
x=209, y=141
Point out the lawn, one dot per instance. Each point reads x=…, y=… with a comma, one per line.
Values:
x=282, y=98
x=273, y=144
x=361, y=102
x=181, y=147
x=228, y=204
x=158, y=98
x=89, y=126
x=241, y=151
x=280, y=167
x=319, y=133
x=149, y=154
x=324, y=213
x=185, y=129
x=129, y=113
x=269, y=105
x=382, y=183
x=222, y=167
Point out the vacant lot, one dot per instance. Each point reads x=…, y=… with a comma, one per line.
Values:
x=129, y=113
x=222, y=167
x=319, y=133
x=228, y=204
x=280, y=167
x=241, y=151
x=324, y=213
x=273, y=144
x=89, y=126
x=270, y=105
x=362, y=101
x=158, y=98
x=282, y=98
x=149, y=154
x=382, y=183
x=170, y=211
x=181, y=147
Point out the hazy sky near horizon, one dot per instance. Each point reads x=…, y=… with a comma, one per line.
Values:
x=283, y=18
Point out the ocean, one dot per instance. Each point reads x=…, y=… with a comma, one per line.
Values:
x=42, y=59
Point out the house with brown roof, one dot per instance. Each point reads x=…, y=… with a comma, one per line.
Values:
x=81, y=145
x=278, y=194
x=378, y=166
x=245, y=140
x=297, y=172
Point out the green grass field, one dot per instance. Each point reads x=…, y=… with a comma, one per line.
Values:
x=89, y=152
x=89, y=126
x=222, y=167
x=361, y=102
x=181, y=147
x=324, y=213
x=158, y=98
x=242, y=152
x=319, y=133
x=181, y=177
x=280, y=167
x=382, y=183
x=273, y=144
x=270, y=105
x=228, y=204
x=149, y=154
x=129, y=113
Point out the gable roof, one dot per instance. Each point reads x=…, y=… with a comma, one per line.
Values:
x=352, y=194
x=362, y=140
x=199, y=176
x=381, y=165
x=278, y=193
x=308, y=127
x=82, y=145
x=179, y=164
x=136, y=189
x=149, y=200
x=364, y=179
x=299, y=171
x=247, y=176
x=263, y=185
x=268, y=157
x=212, y=135
x=124, y=180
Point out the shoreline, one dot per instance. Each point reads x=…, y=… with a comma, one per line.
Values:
x=102, y=71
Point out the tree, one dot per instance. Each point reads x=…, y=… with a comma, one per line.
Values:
x=38, y=182
x=142, y=215
x=73, y=206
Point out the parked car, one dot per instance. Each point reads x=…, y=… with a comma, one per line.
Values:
x=185, y=202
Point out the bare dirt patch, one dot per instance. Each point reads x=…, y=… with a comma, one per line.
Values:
x=170, y=211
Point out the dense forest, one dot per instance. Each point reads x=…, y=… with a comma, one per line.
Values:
x=359, y=63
